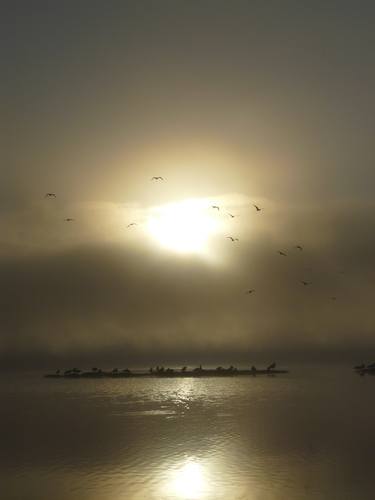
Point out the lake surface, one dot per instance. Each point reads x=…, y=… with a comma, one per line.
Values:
x=306, y=435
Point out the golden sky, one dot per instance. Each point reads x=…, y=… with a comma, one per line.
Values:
x=233, y=105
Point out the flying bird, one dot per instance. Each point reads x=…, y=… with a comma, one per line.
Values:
x=230, y=215
x=333, y=298
x=215, y=206
x=299, y=247
x=232, y=239
x=250, y=291
x=50, y=195
x=258, y=209
x=132, y=224
x=157, y=178
x=69, y=219
x=282, y=253
x=305, y=283
x=272, y=366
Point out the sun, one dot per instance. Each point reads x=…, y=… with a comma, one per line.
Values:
x=184, y=227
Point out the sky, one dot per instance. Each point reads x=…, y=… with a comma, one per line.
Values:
x=233, y=104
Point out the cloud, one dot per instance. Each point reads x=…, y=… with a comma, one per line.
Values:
x=99, y=299
x=245, y=111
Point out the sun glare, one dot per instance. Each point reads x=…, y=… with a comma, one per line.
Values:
x=188, y=482
x=184, y=227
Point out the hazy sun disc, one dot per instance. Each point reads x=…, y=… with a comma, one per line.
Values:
x=184, y=227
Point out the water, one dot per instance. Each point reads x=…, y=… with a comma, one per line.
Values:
x=306, y=435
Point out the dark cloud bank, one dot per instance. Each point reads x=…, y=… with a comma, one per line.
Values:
x=110, y=304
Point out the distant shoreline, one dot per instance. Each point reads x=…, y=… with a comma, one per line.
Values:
x=164, y=373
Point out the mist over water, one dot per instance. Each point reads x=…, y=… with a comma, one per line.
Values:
x=187, y=182
x=305, y=435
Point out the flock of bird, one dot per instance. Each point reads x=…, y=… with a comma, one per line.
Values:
x=233, y=239
x=280, y=252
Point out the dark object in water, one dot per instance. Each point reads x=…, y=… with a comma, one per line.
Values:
x=363, y=369
x=359, y=367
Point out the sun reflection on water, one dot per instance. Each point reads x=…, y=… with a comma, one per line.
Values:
x=188, y=482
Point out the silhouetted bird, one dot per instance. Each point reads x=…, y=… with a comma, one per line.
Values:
x=232, y=239
x=299, y=247
x=258, y=209
x=271, y=366
x=305, y=283
x=215, y=206
x=69, y=219
x=131, y=224
x=157, y=178
x=282, y=253
x=250, y=291
x=50, y=195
